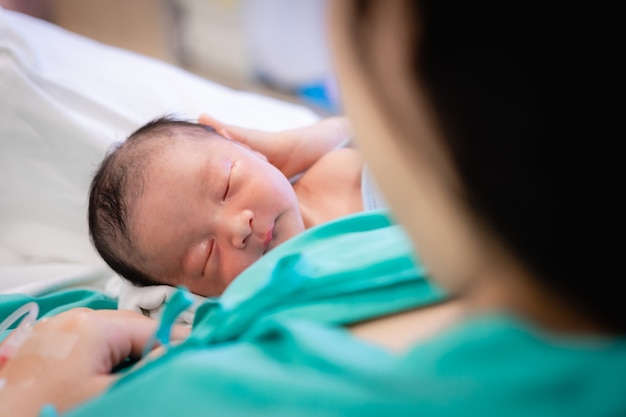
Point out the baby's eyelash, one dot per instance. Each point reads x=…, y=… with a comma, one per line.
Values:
x=227, y=187
x=208, y=257
x=228, y=183
x=211, y=246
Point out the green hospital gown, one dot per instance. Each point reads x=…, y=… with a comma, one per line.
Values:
x=273, y=345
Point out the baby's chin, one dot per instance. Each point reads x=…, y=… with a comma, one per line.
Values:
x=275, y=243
x=234, y=274
x=282, y=232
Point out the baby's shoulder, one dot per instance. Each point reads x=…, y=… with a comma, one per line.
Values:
x=340, y=165
x=332, y=186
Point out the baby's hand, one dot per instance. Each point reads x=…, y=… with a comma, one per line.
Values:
x=255, y=140
x=292, y=151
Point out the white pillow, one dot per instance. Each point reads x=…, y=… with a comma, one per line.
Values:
x=64, y=100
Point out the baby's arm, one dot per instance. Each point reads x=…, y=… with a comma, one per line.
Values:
x=292, y=151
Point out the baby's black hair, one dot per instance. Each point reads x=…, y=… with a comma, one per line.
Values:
x=116, y=187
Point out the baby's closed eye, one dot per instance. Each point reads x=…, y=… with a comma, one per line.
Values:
x=227, y=182
x=210, y=250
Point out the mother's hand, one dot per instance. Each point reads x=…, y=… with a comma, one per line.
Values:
x=68, y=359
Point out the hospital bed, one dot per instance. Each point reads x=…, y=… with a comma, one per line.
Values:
x=64, y=100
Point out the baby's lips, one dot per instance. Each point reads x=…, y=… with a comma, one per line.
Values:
x=268, y=239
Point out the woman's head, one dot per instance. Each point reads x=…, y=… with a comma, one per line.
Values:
x=471, y=107
x=178, y=204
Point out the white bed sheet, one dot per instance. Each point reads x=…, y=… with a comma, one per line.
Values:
x=64, y=99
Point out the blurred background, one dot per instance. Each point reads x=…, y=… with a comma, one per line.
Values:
x=272, y=47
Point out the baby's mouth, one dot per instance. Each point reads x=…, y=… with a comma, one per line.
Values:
x=268, y=240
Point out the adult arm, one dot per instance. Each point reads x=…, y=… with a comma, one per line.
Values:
x=292, y=151
x=68, y=359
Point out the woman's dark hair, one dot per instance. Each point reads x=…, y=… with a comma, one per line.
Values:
x=116, y=187
x=526, y=121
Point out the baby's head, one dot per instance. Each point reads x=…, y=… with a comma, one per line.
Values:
x=178, y=204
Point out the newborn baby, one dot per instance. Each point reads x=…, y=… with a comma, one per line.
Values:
x=180, y=204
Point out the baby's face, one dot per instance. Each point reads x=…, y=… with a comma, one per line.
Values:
x=209, y=209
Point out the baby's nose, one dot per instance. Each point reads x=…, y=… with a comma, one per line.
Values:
x=242, y=228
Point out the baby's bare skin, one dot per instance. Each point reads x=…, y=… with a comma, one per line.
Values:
x=214, y=204
x=331, y=188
